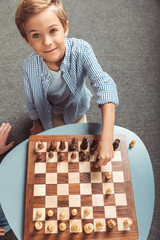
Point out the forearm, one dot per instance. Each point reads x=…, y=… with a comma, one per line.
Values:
x=37, y=127
x=108, y=118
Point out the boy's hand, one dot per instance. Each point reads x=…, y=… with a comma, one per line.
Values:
x=104, y=153
x=5, y=129
x=2, y=233
x=35, y=130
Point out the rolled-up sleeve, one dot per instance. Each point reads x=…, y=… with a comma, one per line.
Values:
x=103, y=85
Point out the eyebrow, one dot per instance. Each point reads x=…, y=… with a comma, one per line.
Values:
x=54, y=25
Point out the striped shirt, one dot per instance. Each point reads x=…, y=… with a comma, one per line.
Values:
x=78, y=63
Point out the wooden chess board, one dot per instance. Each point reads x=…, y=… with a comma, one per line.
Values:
x=76, y=184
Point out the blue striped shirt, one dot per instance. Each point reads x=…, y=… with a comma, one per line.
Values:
x=78, y=63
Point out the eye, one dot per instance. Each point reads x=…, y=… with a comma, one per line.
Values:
x=36, y=35
x=53, y=31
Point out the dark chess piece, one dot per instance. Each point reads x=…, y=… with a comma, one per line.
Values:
x=52, y=146
x=39, y=156
x=73, y=145
x=73, y=155
x=50, y=154
x=40, y=144
x=61, y=156
x=62, y=145
x=84, y=144
x=94, y=146
x=84, y=156
x=116, y=144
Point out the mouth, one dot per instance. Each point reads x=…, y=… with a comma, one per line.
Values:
x=50, y=51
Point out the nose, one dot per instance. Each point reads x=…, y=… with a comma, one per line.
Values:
x=47, y=40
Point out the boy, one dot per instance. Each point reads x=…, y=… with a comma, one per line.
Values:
x=54, y=75
x=5, y=129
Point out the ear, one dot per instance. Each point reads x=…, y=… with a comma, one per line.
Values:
x=67, y=29
x=27, y=42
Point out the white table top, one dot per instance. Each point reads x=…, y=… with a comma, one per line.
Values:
x=13, y=177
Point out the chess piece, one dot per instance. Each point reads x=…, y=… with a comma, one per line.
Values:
x=73, y=145
x=52, y=146
x=109, y=191
x=88, y=228
x=116, y=144
x=87, y=211
x=40, y=144
x=62, y=215
x=62, y=226
x=84, y=144
x=75, y=227
x=50, y=227
x=73, y=155
x=39, y=156
x=111, y=223
x=127, y=222
x=108, y=175
x=50, y=154
x=84, y=156
x=50, y=213
x=61, y=156
x=99, y=225
x=94, y=146
x=74, y=212
x=38, y=226
x=62, y=145
x=131, y=144
x=39, y=214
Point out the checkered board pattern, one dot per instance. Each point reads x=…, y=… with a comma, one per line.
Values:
x=76, y=183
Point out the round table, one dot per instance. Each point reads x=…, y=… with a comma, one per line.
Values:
x=13, y=177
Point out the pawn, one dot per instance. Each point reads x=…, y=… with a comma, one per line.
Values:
x=131, y=144
x=74, y=212
x=50, y=227
x=62, y=215
x=50, y=213
x=75, y=227
x=38, y=226
x=73, y=155
x=40, y=144
x=39, y=214
x=39, y=156
x=99, y=225
x=108, y=175
x=62, y=226
x=84, y=144
x=109, y=191
x=50, y=154
x=87, y=211
x=52, y=146
x=61, y=156
x=84, y=156
x=116, y=144
x=111, y=223
x=88, y=228
x=127, y=222
x=62, y=145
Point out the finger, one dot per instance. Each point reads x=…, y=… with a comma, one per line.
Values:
x=9, y=146
x=7, y=130
x=2, y=128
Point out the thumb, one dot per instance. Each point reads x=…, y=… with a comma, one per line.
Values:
x=9, y=146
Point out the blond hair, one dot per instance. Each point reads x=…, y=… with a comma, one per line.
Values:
x=27, y=8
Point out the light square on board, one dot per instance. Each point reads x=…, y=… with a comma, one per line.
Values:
x=35, y=217
x=54, y=222
x=53, y=159
x=85, y=188
x=74, y=201
x=84, y=166
x=107, y=167
x=65, y=210
x=110, y=212
x=79, y=221
x=104, y=225
x=74, y=178
x=96, y=177
x=97, y=200
x=40, y=167
x=66, y=148
x=44, y=149
x=62, y=167
x=62, y=189
x=39, y=190
x=71, y=159
x=120, y=199
x=51, y=178
x=121, y=226
x=51, y=201
x=106, y=186
x=118, y=177
x=117, y=156
x=89, y=216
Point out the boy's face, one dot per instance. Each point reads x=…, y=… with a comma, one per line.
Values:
x=45, y=34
